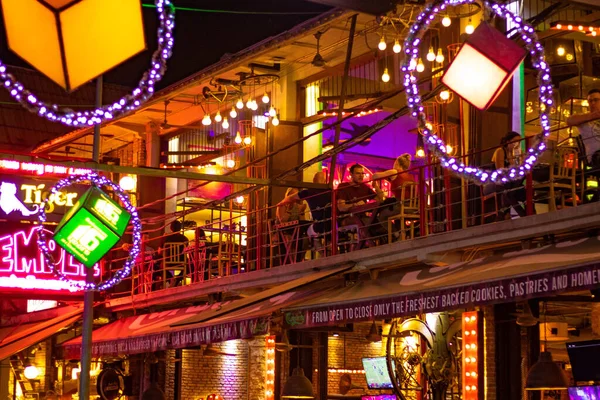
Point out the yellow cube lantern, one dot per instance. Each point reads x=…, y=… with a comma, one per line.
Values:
x=74, y=41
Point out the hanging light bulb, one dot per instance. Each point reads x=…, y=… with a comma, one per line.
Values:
x=413, y=64
x=239, y=199
x=382, y=45
x=386, y=76
x=446, y=21
x=275, y=121
x=265, y=98
x=449, y=150
x=560, y=51
x=272, y=112
x=469, y=29
x=249, y=104
x=247, y=140
x=233, y=113
x=238, y=138
x=254, y=105
x=420, y=66
x=225, y=124
x=444, y=95
x=218, y=117
x=397, y=48
x=439, y=58
x=230, y=163
x=206, y=120
x=239, y=104
x=420, y=152
x=430, y=54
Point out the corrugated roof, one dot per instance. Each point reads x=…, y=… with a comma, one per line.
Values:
x=21, y=130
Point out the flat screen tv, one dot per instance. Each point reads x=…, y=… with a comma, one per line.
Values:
x=584, y=358
x=376, y=373
x=584, y=393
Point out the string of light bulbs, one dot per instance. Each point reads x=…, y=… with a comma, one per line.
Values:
x=435, y=143
x=128, y=103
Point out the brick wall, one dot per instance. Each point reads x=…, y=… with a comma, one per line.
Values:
x=234, y=378
x=489, y=367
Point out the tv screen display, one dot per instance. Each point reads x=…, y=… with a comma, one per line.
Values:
x=584, y=358
x=584, y=393
x=376, y=373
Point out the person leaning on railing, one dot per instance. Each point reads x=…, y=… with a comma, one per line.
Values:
x=397, y=176
x=296, y=210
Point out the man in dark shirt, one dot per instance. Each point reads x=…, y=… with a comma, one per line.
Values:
x=353, y=194
x=174, y=253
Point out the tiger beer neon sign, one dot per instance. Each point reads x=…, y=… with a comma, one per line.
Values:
x=22, y=265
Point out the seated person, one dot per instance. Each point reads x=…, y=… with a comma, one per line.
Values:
x=319, y=203
x=175, y=254
x=397, y=176
x=588, y=125
x=511, y=193
x=296, y=210
x=352, y=194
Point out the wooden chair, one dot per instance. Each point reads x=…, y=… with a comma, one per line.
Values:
x=196, y=259
x=563, y=174
x=484, y=197
x=227, y=255
x=173, y=263
x=409, y=211
x=289, y=232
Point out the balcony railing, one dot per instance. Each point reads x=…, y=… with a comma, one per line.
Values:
x=435, y=202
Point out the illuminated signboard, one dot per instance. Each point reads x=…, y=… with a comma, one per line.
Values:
x=92, y=227
x=22, y=266
x=20, y=198
x=40, y=169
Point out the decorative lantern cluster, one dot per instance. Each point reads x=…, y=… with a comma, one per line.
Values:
x=77, y=69
x=470, y=355
x=435, y=143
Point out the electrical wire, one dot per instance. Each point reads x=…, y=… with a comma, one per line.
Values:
x=216, y=11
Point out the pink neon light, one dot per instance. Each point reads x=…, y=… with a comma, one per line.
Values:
x=41, y=169
x=22, y=264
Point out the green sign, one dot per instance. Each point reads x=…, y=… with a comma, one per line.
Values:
x=92, y=227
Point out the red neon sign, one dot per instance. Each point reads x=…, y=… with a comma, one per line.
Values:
x=22, y=265
x=40, y=168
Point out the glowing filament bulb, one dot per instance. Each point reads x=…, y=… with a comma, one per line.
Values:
x=275, y=121
x=444, y=95
x=382, y=45
x=397, y=48
x=233, y=113
x=239, y=104
x=230, y=163
x=386, y=76
x=265, y=98
x=467, y=333
x=467, y=319
x=247, y=140
x=239, y=199
x=473, y=333
x=467, y=346
x=446, y=21
x=238, y=140
x=474, y=374
x=420, y=66
x=439, y=58
x=430, y=54
x=560, y=51
x=469, y=29
x=420, y=153
x=225, y=124
x=218, y=117
x=249, y=104
x=206, y=120
x=449, y=149
x=272, y=112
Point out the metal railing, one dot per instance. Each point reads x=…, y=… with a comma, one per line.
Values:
x=436, y=202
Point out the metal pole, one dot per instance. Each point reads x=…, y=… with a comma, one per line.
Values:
x=338, y=127
x=88, y=297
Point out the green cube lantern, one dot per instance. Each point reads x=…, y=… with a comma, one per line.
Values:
x=92, y=227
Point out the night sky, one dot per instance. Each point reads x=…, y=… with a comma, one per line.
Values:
x=202, y=38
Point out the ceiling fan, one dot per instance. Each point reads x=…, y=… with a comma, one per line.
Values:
x=165, y=124
x=284, y=346
x=318, y=60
